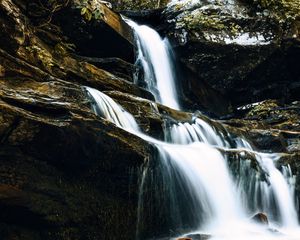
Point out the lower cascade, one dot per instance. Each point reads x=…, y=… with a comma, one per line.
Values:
x=208, y=193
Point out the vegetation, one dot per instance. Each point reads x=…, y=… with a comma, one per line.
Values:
x=91, y=9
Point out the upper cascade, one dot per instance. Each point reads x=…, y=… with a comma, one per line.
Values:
x=155, y=58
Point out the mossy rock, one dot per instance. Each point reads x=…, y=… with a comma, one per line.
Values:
x=283, y=10
x=138, y=5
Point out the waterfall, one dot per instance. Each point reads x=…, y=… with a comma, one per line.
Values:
x=279, y=188
x=219, y=199
x=154, y=56
x=274, y=190
x=107, y=108
x=200, y=164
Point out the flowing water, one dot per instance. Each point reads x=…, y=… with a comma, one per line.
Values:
x=154, y=56
x=220, y=197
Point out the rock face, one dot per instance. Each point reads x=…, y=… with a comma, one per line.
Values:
x=92, y=23
x=64, y=173
x=247, y=52
x=53, y=165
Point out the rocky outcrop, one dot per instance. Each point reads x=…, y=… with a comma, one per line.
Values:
x=245, y=51
x=56, y=153
x=93, y=26
x=270, y=125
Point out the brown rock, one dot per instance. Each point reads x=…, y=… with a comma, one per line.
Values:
x=2, y=71
x=261, y=218
x=11, y=194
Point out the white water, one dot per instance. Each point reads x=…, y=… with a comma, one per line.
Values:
x=281, y=189
x=222, y=202
x=209, y=182
x=279, y=186
x=154, y=56
x=107, y=108
x=207, y=177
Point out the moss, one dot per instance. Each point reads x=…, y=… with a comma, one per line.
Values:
x=91, y=7
x=64, y=48
x=275, y=115
x=282, y=9
x=263, y=110
x=139, y=4
x=42, y=55
x=201, y=20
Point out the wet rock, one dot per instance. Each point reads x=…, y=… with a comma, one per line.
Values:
x=151, y=117
x=12, y=195
x=52, y=149
x=14, y=30
x=152, y=17
x=116, y=66
x=269, y=124
x=198, y=236
x=260, y=218
x=64, y=173
x=196, y=94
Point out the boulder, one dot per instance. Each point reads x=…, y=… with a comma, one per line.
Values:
x=261, y=218
x=116, y=66
x=269, y=124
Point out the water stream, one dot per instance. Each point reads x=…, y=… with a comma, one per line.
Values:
x=221, y=198
x=154, y=56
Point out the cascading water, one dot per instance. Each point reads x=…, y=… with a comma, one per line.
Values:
x=154, y=56
x=194, y=162
x=106, y=107
x=278, y=192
